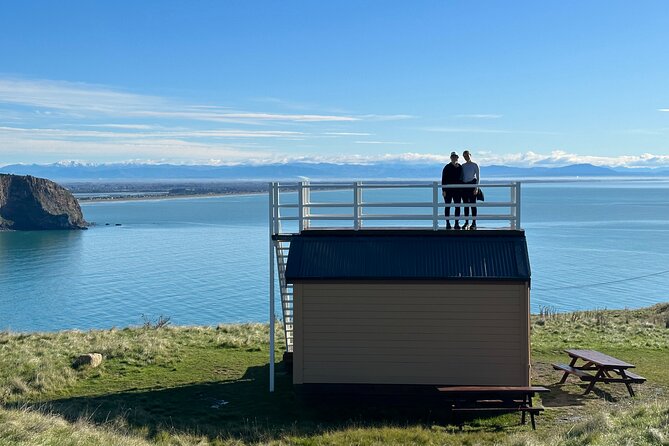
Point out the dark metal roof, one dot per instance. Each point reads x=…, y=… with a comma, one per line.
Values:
x=408, y=255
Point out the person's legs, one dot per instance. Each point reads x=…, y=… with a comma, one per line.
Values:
x=474, y=212
x=457, y=199
x=448, y=197
x=465, y=200
x=468, y=198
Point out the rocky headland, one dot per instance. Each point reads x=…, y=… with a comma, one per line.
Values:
x=30, y=203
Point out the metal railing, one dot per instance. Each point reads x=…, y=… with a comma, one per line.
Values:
x=357, y=206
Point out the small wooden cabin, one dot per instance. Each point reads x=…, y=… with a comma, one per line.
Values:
x=410, y=307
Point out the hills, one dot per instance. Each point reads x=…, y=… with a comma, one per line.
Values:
x=295, y=171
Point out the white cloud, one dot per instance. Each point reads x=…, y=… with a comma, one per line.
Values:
x=373, y=117
x=184, y=134
x=527, y=159
x=384, y=142
x=347, y=134
x=121, y=126
x=172, y=150
x=479, y=116
x=86, y=100
x=663, y=109
x=180, y=152
x=485, y=130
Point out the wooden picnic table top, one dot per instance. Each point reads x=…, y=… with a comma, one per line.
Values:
x=599, y=359
x=494, y=389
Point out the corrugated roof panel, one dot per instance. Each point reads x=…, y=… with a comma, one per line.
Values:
x=386, y=255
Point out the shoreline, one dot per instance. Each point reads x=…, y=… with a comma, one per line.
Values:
x=542, y=313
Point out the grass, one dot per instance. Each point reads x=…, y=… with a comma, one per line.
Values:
x=164, y=385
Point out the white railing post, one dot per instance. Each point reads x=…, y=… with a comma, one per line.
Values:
x=272, y=223
x=306, y=201
x=435, y=205
x=512, y=199
x=357, y=200
x=300, y=206
x=517, y=202
x=277, y=210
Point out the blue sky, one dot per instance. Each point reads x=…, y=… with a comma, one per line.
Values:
x=519, y=83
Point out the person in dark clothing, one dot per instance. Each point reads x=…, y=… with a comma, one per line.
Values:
x=452, y=174
x=471, y=174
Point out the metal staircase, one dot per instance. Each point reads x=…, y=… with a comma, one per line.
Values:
x=282, y=248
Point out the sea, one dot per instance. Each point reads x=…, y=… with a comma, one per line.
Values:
x=204, y=261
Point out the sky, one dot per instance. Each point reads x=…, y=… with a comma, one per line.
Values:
x=522, y=83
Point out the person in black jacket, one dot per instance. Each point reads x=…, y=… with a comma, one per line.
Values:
x=452, y=174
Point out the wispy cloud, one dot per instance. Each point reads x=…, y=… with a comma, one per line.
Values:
x=169, y=150
x=394, y=143
x=372, y=117
x=90, y=100
x=184, y=134
x=659, y=131
x=347, y=134
x=486, y=130
x=120, y=126
x=479, y=116
x=663, y=109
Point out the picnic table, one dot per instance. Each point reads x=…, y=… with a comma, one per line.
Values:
x=607, y=369
x=494, y=399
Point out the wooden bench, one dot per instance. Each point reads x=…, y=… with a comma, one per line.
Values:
x=583, y=374
x=637, y=379
x=494, y=399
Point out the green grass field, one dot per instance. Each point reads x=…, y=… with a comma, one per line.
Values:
x=209, y=385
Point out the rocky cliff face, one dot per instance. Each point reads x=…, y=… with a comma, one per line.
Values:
x=30, y=203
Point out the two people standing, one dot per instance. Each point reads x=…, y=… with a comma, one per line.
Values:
x=455, y=173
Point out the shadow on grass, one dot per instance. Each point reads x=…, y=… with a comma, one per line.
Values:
x=560, y=396
x=244, y=409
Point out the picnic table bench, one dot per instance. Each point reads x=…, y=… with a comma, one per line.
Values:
x=607, y=369
x=494, y=399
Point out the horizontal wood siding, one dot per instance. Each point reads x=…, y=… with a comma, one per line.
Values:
x=411, y=333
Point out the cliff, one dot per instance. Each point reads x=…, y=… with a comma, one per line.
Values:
x=30, y=203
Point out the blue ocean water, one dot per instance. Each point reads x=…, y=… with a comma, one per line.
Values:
x=205, y=260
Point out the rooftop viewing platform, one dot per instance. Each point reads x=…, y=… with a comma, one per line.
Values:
x=295, y=207
x=381, y=209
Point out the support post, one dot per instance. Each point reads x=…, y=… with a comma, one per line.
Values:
x=300, y=206
x=517, y=201
x=306, y=201
x=512, y=199
x=435, y=205
x=272, y=188
x=277, y=212
x=357, y=199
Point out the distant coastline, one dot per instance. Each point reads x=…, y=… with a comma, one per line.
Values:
x=103, y=191
x=95, y=192
x=152, y=197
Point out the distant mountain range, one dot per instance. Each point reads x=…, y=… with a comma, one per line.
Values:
x=295, y=171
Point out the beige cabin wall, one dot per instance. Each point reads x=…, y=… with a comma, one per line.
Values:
x=411, y=333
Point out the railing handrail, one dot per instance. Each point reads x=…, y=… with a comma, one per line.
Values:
x=357, y=217
x=379, y=185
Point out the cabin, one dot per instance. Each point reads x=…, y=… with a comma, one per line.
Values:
x=410, y=307
x=378, y=292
